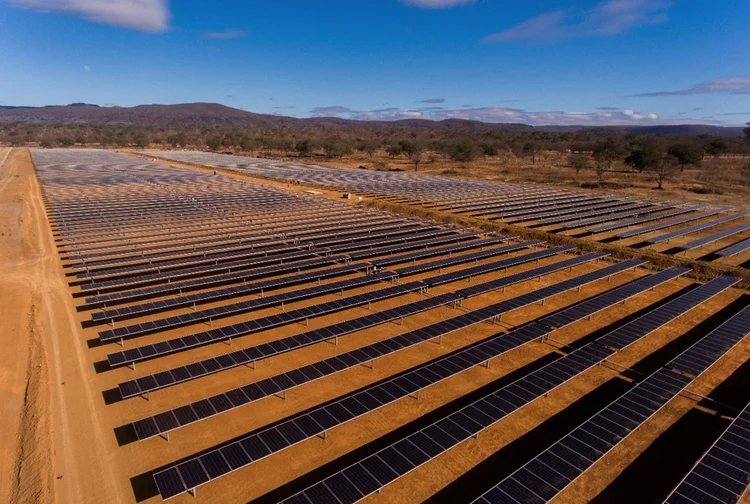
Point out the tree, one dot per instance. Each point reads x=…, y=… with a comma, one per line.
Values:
x=141, y=140
x=601, y=169
x=608, y=150
x=303, y=147
x=177, y=140
x=664, y=168
x=248, y=144
x=488, y=149
x=644, y=156
x=335, y=147
x=369, y=147
x=393, y=150
x=416, y=157
x=686, y=154
x=463, y=152
x=717, y=147
x=529, y=150
x=213, y=142
x=747, y=133
x=578, y=161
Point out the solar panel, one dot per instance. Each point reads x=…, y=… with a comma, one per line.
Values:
x=250, y=326
x=670, y=223
x=654, y=319
x=576, y=452
x=620, y=294
x=577, y=207
x=261, y=287
x=639, y=210
x=459, y=259
x=698, y=227
x=700, y=242
x=165, y=272
x=457, y=426
x=735, y=249
x=431, y=252
x=722, y=475
x=150, y=383
x=219, y=312
x=476, y=417
x=242, y=329
x=567, y=218
x=649, y=218
x=476, y=353
x=696, y=359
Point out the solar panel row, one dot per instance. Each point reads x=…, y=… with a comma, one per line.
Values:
x=735, y=249
x=698, y=227
x=330, y=307
x=151, y=426
x=167, y=378
x=180, y=287
x=562, y=463
x=649, y=218
x=396, y=460
x=700, y=242
x=722, y=475
x=669, y=223
x=219, y=312
x=173, y=268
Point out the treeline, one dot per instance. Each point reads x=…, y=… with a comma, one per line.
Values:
x=606, y=144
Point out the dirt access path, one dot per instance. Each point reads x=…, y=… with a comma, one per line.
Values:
x=51, y=449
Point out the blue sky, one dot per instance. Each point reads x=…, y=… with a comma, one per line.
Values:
x=536, y=62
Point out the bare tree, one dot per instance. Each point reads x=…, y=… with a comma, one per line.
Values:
x=666, y=168
x=416, y=157
x=601, y=168
x=578, y=161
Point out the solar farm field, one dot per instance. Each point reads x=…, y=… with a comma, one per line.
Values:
x=211, y=338
x=698, y=231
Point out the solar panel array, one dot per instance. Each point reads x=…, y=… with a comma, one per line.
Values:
x=176, y=260
x=722, y=475
x=411, y=451
x=256, y=446
x=559, y=209
x=545, y=476
x=251, y=355
x=735, y=249
x=701, y=242
x=698, y=227
x=168, y=421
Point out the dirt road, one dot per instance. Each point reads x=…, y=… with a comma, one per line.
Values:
x=46, y=404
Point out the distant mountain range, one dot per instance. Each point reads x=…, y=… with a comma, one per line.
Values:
x=214, y=114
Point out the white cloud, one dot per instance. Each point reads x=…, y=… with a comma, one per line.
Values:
x=437, y=4
x=733, y=85
x=143, y=15
x=87, y=68
x=226, y=34
x=608, y=18
x=502, y=115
